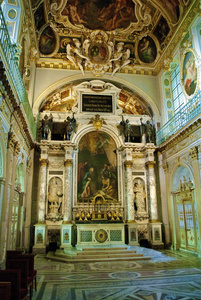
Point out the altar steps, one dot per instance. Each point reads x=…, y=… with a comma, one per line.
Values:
x=97, y=255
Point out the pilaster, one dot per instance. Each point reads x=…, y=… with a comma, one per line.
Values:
x=193, y=155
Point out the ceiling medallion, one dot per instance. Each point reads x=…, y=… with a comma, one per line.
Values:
x=98, y=53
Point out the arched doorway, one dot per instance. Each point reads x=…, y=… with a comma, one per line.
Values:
x=184, y=205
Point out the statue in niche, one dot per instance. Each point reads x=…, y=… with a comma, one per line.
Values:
x=70, y=126
x=149, y=130
x=55, y=196
x=47, y=124
x=125, y=129
x=139, y=195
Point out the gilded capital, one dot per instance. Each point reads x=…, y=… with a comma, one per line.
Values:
x=165, y=167
x=193, y=153
x=150, y=164
x=16, y=149
x=43, y=162
x=68, y=162
x=128, y=164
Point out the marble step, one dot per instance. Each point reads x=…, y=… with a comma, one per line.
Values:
x=104, y=249
x=97, y=256
x=70, y=259
x=106, y=252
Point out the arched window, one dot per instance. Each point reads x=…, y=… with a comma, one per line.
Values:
x=11, y=11
x=173, y=94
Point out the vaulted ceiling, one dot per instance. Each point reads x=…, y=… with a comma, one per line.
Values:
x=149, y=29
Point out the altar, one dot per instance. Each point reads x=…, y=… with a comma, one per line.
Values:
x=96, y=184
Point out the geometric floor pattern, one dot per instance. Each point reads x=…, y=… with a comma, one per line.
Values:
x=169, y=275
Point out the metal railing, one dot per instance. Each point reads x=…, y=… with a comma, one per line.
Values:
x=10, y=61
x=186, y=113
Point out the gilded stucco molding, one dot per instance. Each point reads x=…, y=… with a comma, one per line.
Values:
x=193, y=153
x=68, y=162
x=43, y=162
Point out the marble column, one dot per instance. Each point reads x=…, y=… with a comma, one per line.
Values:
x=193, y=155
x=12, y=193
x=166, y=202
x=6, y=197
x=129, y=214
x=67, y=212
x=42, y=194
x=2, y=185
x=28, y=199
x=152, y=190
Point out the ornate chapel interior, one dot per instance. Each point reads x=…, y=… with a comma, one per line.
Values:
x=100, y=136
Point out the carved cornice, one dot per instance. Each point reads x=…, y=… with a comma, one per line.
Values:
x=181, y=135
x=43, y=162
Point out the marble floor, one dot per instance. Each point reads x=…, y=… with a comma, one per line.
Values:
x=168, y=275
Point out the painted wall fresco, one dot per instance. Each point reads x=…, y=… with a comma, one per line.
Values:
x=47, y=42
x=189, y=73
x=98, y=14
x=97, y=167
x=147, y=50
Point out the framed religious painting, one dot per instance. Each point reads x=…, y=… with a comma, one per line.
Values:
x=189, y=73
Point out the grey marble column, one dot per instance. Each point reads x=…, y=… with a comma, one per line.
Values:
x=67, y=211
x=152, y=190
x=42, y=193
x=129, y=191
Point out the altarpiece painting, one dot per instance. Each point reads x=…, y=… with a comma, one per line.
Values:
x=97, y=167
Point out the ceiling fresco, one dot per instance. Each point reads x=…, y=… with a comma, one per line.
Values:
x=107, y=36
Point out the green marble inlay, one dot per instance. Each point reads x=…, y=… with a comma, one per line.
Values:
x=115, y=235
x=86, y=236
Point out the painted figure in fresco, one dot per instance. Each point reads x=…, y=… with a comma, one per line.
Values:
x=190, y=74
x=47, y=124
x=139, y=196
x=88, y=184
x=70, y=127
x=147, y=50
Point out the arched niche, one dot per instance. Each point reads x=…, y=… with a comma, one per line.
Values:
x=20, y=178
x=182, y=173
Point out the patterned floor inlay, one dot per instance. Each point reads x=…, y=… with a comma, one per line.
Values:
x=175, y=276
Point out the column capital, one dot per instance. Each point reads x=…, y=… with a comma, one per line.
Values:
x=44, y=161
x=68, y=162
x=193, y=153
x=128, y=164
x=16, y=149
x=165, y=167
x=150, y=164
